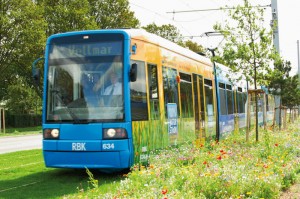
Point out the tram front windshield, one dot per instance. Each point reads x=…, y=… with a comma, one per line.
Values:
x=84, y=82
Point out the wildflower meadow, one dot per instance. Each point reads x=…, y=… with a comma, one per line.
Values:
x=231, y=168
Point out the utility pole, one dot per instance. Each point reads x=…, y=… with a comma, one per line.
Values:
x=212, y=50
x=298, y=60
x=275, y=26
x=298, y=70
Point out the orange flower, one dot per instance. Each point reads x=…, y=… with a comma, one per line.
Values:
x=164, y=191
x=151, y=166
x=222, y=151
x=276, y=144
x=219, y=157
x=265, y=166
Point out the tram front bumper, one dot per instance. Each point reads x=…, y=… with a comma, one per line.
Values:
x=110, y=154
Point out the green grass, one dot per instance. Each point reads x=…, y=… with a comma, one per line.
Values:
x=23, y=175
x=21, y=131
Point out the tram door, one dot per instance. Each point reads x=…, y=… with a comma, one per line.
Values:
x=199, y=107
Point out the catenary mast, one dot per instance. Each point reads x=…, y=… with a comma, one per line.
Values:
x=275, y=26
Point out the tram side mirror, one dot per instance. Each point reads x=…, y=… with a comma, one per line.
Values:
x=36, y=73
x=133, y=72
x=36, y=76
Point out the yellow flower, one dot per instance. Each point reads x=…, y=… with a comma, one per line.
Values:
x=249, y=193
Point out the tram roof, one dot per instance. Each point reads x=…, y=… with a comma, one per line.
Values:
x=157, y=40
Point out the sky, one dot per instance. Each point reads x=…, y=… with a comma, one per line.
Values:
x=196, y=23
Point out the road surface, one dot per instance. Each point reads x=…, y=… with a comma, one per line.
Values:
x=20, y=143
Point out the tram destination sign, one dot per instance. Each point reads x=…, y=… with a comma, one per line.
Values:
x=86, y=49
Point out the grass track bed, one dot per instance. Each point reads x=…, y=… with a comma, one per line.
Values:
x=232, y=168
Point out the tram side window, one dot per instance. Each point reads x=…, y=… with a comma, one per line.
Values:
x=241, y=99
x=222, y=93
x=153, y=91
x=138, y=94
x=170, y=87
x=270, y=103
x=186, y=95
x=229, y=99
x=209, y=100
x=260, y=102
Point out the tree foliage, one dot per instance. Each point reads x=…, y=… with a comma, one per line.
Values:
x=291, y=94
x=113, y=14
x=277, y=78
x=21, y=40
x=193, y=46
x=281, y=84
x=166, y=31
x=64, y=16
x=21, y=98
x=171, y=33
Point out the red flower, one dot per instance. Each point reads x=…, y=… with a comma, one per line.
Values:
x=265, y=166
x=222, y=151
x=164, y=191
x=219, y=157
x=276, y=144
x=204, y=162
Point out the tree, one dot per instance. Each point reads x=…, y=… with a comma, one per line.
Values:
x=113, y=14
x=22, y=98
x=171, y=33
x=168, y=31
x=248, y=45
x=291, y=96
x=277, y=79
x=67, y=15
x=22, y=39
x=193, y=46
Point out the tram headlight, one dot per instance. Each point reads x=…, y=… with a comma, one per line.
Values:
x=51, y=133
x=114, y=133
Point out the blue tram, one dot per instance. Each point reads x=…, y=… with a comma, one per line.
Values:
x=112, y=96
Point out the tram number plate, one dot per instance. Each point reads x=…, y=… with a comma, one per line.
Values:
x=78, y=146
x=108, y=146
